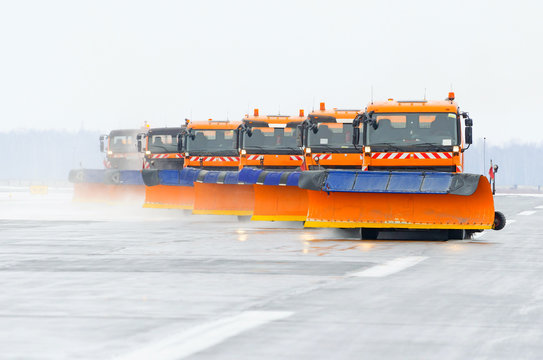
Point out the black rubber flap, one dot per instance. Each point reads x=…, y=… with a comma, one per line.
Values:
x=150, y=177
x=312, y=179
x=464, y=184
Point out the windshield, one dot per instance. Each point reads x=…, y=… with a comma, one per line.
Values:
x=409, y=129
x=270, y=138
x=211, y=140
x=123, y=143
x=162, y=144
x=331, y=135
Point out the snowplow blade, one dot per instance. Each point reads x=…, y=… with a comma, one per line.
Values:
x=96, y=185
x=277, y=195
x=219, y=193
x=169, y=189
x=402, y=200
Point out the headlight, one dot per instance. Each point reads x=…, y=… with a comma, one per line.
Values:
x=243, y=152
x=367, y=149
x=109, y=152
x=308, y=150
x=456, y=149
x=147, y=152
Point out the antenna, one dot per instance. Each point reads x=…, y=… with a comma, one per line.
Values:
x=279, y=110
x=227, y=119
x=424, y=94
x=372, y=94
x=313, y=106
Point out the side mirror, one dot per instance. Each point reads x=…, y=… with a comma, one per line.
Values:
x=103, y=143
x=356, y=136
x=468, y=122
x=300, y=137
x=139, y=139
x=469, y=135
x=179, y=143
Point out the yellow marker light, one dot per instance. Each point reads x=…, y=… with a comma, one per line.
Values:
x=308, y=150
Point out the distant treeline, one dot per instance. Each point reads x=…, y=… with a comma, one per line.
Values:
x=50, y=154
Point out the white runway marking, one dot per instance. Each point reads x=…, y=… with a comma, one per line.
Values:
x=539, y=207
x=526, y=212
x=390, y=267
x=179, y=346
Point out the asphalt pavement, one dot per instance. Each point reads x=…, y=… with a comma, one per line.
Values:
x=97, y=281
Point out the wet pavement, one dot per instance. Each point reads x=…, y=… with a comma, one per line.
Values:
x=99, y=281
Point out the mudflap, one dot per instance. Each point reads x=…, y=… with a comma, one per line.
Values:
x=223, y=199
x=280, y=203
x=399, y=200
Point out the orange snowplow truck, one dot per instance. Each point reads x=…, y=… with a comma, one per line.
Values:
x=212, y=145
x=121, y=149
x=270, y=141
x=414, y=135
x=327, y=139
x=412, y=175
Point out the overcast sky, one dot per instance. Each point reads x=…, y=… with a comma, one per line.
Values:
x=114, y=64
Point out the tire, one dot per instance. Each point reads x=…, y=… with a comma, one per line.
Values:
x=499, y=221
x=457, y=234
x=368, y=234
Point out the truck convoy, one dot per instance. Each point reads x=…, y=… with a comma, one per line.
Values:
x=396, y=165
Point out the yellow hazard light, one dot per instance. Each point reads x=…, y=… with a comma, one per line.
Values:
x=255, y=112
x=301, y=112
x=451, y=96
x=390, y=99
x=322, y=106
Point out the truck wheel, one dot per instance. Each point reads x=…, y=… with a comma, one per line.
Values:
x=499, y=221
x=368, y=234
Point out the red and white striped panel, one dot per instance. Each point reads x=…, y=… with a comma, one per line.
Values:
x=417, y=155
x=107, y=164
x=254, y=157
x=322, y=157
x=214, y=158
x=458, y=168
x=364, y=168
x=159, y=156
x=146, y=164
x=179, y=156
x=296, y=157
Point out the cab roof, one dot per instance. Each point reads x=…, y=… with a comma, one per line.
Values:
x=214, y=124
x=413, y=106
x=166, y=130
x=121, y=132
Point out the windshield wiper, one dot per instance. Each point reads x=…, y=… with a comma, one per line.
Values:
x=433, y=146
x=391, y=146
x=335, y=149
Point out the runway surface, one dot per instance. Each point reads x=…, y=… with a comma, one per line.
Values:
x=112, y=282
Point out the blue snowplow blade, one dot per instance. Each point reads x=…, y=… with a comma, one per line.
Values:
x=389, y=182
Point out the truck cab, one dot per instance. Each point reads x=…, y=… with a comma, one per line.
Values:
x=160, y=150
x=270, y=141
x=212, y=145
x=413, y=136
x=327, y=139
x=120, y=147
